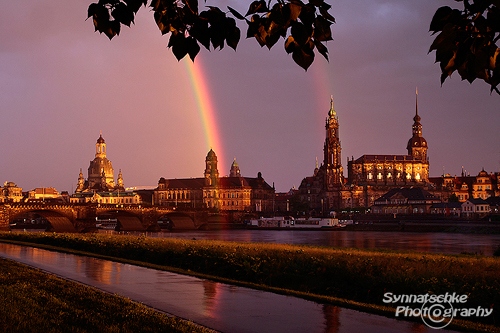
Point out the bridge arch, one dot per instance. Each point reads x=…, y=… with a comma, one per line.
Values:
x=57, y=222
x=176, y=221
x=127, y=220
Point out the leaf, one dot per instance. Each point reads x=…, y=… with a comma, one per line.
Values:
x=179, y=45
x=300, y=33
x=233, y=37
x=236, y=14
x=192, y=5
x=303, y=57
x=295, y=10
x=307, y=14
x=112, y=29
x=322, y=30
x=192, y=47
x=258, y=6
x=327, y=15
x=199, y=30
x=135, y=5
x=290, y=44
x=321, y=49
x=440, y=18
x=123, y=14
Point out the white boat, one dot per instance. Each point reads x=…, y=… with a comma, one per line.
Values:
x=272, y=222
x=106, y=222
x=316, y=223
x=290, y=222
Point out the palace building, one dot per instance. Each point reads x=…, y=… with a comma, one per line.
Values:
x=371, y=176
x=232, y=193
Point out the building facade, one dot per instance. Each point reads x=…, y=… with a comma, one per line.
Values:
x=232, y=193
x=461, y=188
x=371, y=176
x=368, y=177
x=11, y=192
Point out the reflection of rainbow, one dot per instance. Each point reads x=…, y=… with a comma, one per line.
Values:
x=205, y=107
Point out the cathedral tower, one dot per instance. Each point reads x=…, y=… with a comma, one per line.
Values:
x=417, y=145
x=211, y=172
x=332, y=151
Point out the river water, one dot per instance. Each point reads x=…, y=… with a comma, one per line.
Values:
x=447, y=243
x=219, y=306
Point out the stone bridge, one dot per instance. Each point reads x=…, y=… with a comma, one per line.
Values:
x=82, y=217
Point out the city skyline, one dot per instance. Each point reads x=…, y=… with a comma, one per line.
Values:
x=62, y=84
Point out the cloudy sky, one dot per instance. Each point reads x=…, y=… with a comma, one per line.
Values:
x=61, y=84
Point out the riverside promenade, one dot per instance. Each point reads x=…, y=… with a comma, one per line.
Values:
x=219, y=306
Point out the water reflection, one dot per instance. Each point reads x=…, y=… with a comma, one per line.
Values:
x=449, y=243
x=222, y=307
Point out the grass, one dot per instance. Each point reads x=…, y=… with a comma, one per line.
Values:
x=348, y=277
x=34, y=301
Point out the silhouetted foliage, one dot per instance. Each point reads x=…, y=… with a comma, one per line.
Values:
x=304, y=26
x=467, y=39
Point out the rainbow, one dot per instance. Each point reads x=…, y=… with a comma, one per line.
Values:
x=205, y=107
x=323, y=86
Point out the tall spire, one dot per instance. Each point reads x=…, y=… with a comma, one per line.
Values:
x=416, y=101
x=332, y=112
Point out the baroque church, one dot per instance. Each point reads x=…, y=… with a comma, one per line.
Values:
x=100, y=185
x=232, y=193
x=369, y=176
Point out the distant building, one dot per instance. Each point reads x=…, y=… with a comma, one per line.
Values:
x=44, y=194
x=107, y=198
x=413, y=200
x=475, y=208
x=233, y=193
x=11, y=193
x=464, y=187
x=100, y=186
x=447, y=209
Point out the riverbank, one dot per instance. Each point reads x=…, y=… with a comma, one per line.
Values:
x=352, y=278
x=34, y=301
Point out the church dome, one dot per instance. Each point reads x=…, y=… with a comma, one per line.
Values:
x=100, y=140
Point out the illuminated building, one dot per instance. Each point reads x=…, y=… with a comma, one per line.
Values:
x=233, y=193
x=369, y=176
x=100, y=186
x=322, y=190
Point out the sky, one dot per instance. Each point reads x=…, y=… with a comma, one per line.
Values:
x=62, y=84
